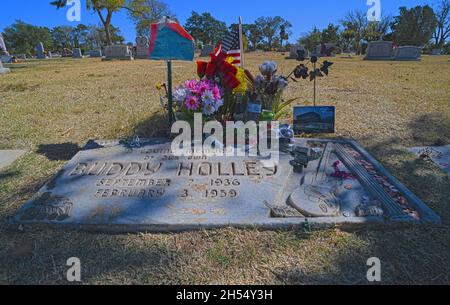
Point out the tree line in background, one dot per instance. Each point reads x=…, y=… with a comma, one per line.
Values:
x=422, y=26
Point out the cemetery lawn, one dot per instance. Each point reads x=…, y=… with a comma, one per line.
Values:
x=51, y=108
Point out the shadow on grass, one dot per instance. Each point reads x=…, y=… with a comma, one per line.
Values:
x=155, y=126
x=58, y=152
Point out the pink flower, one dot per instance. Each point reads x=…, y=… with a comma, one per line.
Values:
x=192, y=102
x=191, y=85
x=201, y=88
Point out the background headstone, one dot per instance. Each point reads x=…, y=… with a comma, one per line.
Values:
x=294, y=51
x=6, y=59
x=77, y=53
x=436, y=52
x=379, y=50
x=407, y=53
x=3, y=70
x=207, y=49
x=329, y=46
x=40, y=52
x=142, y=47
x=8, y=157
x=121, y=52
x=3, y=50
x=95, y=53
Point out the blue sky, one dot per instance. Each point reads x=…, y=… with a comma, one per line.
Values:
x=303, y=14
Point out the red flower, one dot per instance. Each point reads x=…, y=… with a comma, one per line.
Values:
x=211, y=70
x=230, y=81
x=201, y=68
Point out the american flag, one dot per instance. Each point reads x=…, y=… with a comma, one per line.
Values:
x=231, y=46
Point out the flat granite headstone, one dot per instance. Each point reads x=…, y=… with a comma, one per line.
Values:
x=142, y=47
x=120, y=52
x=407, y=53
x=77, y=53
x=7, y=157
x=379, y=50
x=3, y=70
x=207, y=50
x=118, y=188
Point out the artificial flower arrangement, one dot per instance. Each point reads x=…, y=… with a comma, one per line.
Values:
x=226, y=92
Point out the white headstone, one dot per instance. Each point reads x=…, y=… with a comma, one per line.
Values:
x=142, y=47
x=379, y=50
x=40, y=52
x=3, y=70
x=3, y=49
x=122, y=52
x=407, y=53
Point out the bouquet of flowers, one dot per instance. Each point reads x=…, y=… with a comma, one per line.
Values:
x=199, y=96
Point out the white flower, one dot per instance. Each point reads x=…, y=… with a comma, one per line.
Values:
x=208, y=97
x=268, y=68
x=280, y=81
x=209, y=109
x=180, y=94
x=259, y=82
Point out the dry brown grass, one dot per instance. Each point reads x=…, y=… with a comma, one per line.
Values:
x=52, y=107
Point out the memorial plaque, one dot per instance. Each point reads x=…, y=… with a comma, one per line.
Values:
x=407, y=53
x=118, y=188
x=379, y=50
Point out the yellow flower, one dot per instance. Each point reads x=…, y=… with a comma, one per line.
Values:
x=240, y=75
x=158, y=86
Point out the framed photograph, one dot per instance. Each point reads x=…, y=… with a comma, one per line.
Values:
x=314, y=119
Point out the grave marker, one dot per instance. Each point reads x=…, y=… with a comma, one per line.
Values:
x=407, y=53
x=120, y=52
x=40, y=51
x=3, y=70
x=120, y=188
x=77, y=53
x=142, y=47
x=379, y=50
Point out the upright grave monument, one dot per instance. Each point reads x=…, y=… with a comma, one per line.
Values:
x=77, y=53
x=3, y=50
x=142, y=47
x=146, y=187
x=295, y=49
x=379, y=50
x=40, y=51
x=120, y=52
x=436, y=52
x=407, y=53
x=207, y=50
x=95, y=53
x=3, y=70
